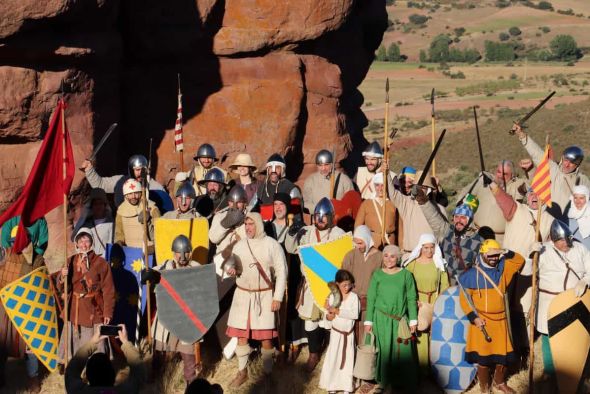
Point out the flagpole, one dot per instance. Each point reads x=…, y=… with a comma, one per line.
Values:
x=181, y=150
x=532, y=308
x=65, y=219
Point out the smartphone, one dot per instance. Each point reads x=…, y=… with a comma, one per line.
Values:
x=111, y=331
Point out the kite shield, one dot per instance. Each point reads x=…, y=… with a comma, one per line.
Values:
x=197, y=230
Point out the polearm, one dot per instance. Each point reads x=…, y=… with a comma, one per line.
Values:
x=481, y=163
x=65, y=219
x=522, y=120
x=472, y=307
x=534, y=293
x=431, y=158
x=386, y=164
x=333, y=174
x=144, y=191
x=433, y=133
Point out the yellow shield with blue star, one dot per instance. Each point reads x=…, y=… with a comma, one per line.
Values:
x=320, y=263
x=30, y=305
x=197, y=230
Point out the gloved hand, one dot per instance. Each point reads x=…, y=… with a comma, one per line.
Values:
x=234, y=217
x=140, y=216
x=419, y=194
x=486, y=180
x=295, y=227
x=181, y=176
x=150, y=275
x=580, y=288
x=300, y=234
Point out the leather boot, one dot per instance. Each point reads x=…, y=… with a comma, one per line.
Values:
x=294, y=354
x=500, y=380
x=312, y=362
x=240, y=379
x=483, y=376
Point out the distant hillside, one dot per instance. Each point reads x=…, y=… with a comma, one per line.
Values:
x=471, y=23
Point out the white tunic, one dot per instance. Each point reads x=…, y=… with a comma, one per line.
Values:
x=317, y=186
x=364, y=181
x=332, y=377
x=552, y=274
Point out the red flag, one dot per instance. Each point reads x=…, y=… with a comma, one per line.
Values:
x=178, y=140
x=45, y=186
x=541, y=183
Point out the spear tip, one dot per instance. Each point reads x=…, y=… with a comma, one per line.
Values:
x=387, y=90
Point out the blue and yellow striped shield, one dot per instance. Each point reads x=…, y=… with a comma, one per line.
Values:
x=320, y=263
x=30, y=306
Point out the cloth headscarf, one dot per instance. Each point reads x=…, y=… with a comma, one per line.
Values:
x=439, y=262
x=464, y=210
x=363, y=232
x=255, y=216
x=582, y=216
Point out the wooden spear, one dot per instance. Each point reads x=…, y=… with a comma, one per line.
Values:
x=65, y=219
x=385, y=162
x=433, y=133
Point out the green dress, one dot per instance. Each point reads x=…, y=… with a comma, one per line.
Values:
x=393, y=295
x=430, y=282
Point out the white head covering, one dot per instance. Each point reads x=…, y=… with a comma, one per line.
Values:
x=439, y=262
x=582, y=216
x=378, y=179
x=363, y=232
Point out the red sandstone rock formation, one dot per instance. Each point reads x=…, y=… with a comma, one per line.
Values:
x=257, y=75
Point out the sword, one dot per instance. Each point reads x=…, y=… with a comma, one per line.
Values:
x=104, y=139
x=431, y=158
x=522, y=120
x=472, y=306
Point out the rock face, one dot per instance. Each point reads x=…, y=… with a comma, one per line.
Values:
x=256, y=75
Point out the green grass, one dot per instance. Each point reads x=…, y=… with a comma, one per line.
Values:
x=389, y=66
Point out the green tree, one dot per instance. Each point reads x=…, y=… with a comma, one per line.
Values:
x=514, y=31
x=381, y=54
x=496, y=51
x=471, y=55
x=439, y=49
x=564, y=47
x=393, y=53
x=423, y=56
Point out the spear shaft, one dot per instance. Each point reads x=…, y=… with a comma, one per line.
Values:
x=386, y=162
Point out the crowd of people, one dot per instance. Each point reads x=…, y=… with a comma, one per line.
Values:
x=406, y=253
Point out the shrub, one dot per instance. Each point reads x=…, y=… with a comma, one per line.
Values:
x=394, y=54
x=381, y=54
x=503, y=36
x=499, y=52
x=545, y=5
x=514, y=31
x=423, y=57
x=439, y=49
x=418, y=19
x=459, y=31
x=564, y=47
x=545, y=29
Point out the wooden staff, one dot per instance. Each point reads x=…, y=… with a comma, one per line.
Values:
x=144, y=198
x=433, y=133
x=65, y=218
x=385, y=162
x=333, y=174
x=532, y=309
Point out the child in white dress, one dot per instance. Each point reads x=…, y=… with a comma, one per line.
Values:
x=339, y=360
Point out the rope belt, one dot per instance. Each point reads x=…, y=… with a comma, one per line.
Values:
x=395, y=317
x=428, y=293
x=344, y=344
x=253, y=290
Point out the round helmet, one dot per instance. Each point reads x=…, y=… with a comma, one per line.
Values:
x=186, y=191
x=213, y=175
x=560, y=230
x=206, y=150
x=136, y=161
x=574, y=154
x=182, y=244
x=373, y=150
x=237, y=194
x=324, y=208
x=324, y=157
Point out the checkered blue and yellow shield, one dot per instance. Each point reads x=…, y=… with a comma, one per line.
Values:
x=30, y=305
x=320, y=263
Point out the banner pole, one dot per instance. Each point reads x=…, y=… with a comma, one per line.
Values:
x=65, y=228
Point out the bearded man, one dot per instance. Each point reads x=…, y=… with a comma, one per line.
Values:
x=205, y=158
x=275, y=181
x=185, y=198
x=318, y=185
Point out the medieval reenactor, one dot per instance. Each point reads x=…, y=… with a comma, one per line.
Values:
x=488, y=216
x=564, y=176
x=275, y=181
x=98, y=218
x=166, y=342
x=91, y=294
x=205, y=158
x=564, y=263
x=260, y=288
x=405, y=180
x=483, y=289
x=227, y=227
x=324, y=229
x=13, y=266
x=214, y=189
x=129, y=228
x=278, y=229
x=371, y=214
x=137, y=168
x=373, y=157
x=326, y=181
x=185, y=199
x=244, y=168
x=459, y=241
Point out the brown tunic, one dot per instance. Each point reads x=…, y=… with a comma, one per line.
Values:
x=91, y=293
x=369, y=216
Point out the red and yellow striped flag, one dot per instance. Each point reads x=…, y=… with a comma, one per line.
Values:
x=541, y=183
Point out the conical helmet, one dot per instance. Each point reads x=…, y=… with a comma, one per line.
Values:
x=560, y=230
x=136, y=161
x=574, y=154
x=324, y=208
x=373, y=150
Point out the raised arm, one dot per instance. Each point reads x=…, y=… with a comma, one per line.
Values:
x=439, y=224
x=505, y=201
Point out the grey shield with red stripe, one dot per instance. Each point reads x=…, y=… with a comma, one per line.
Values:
x=188, y=302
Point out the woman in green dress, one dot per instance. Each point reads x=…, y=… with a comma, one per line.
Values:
x=430, y=273
x=392, y=316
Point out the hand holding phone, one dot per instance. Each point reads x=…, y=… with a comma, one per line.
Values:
x=109, y=330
